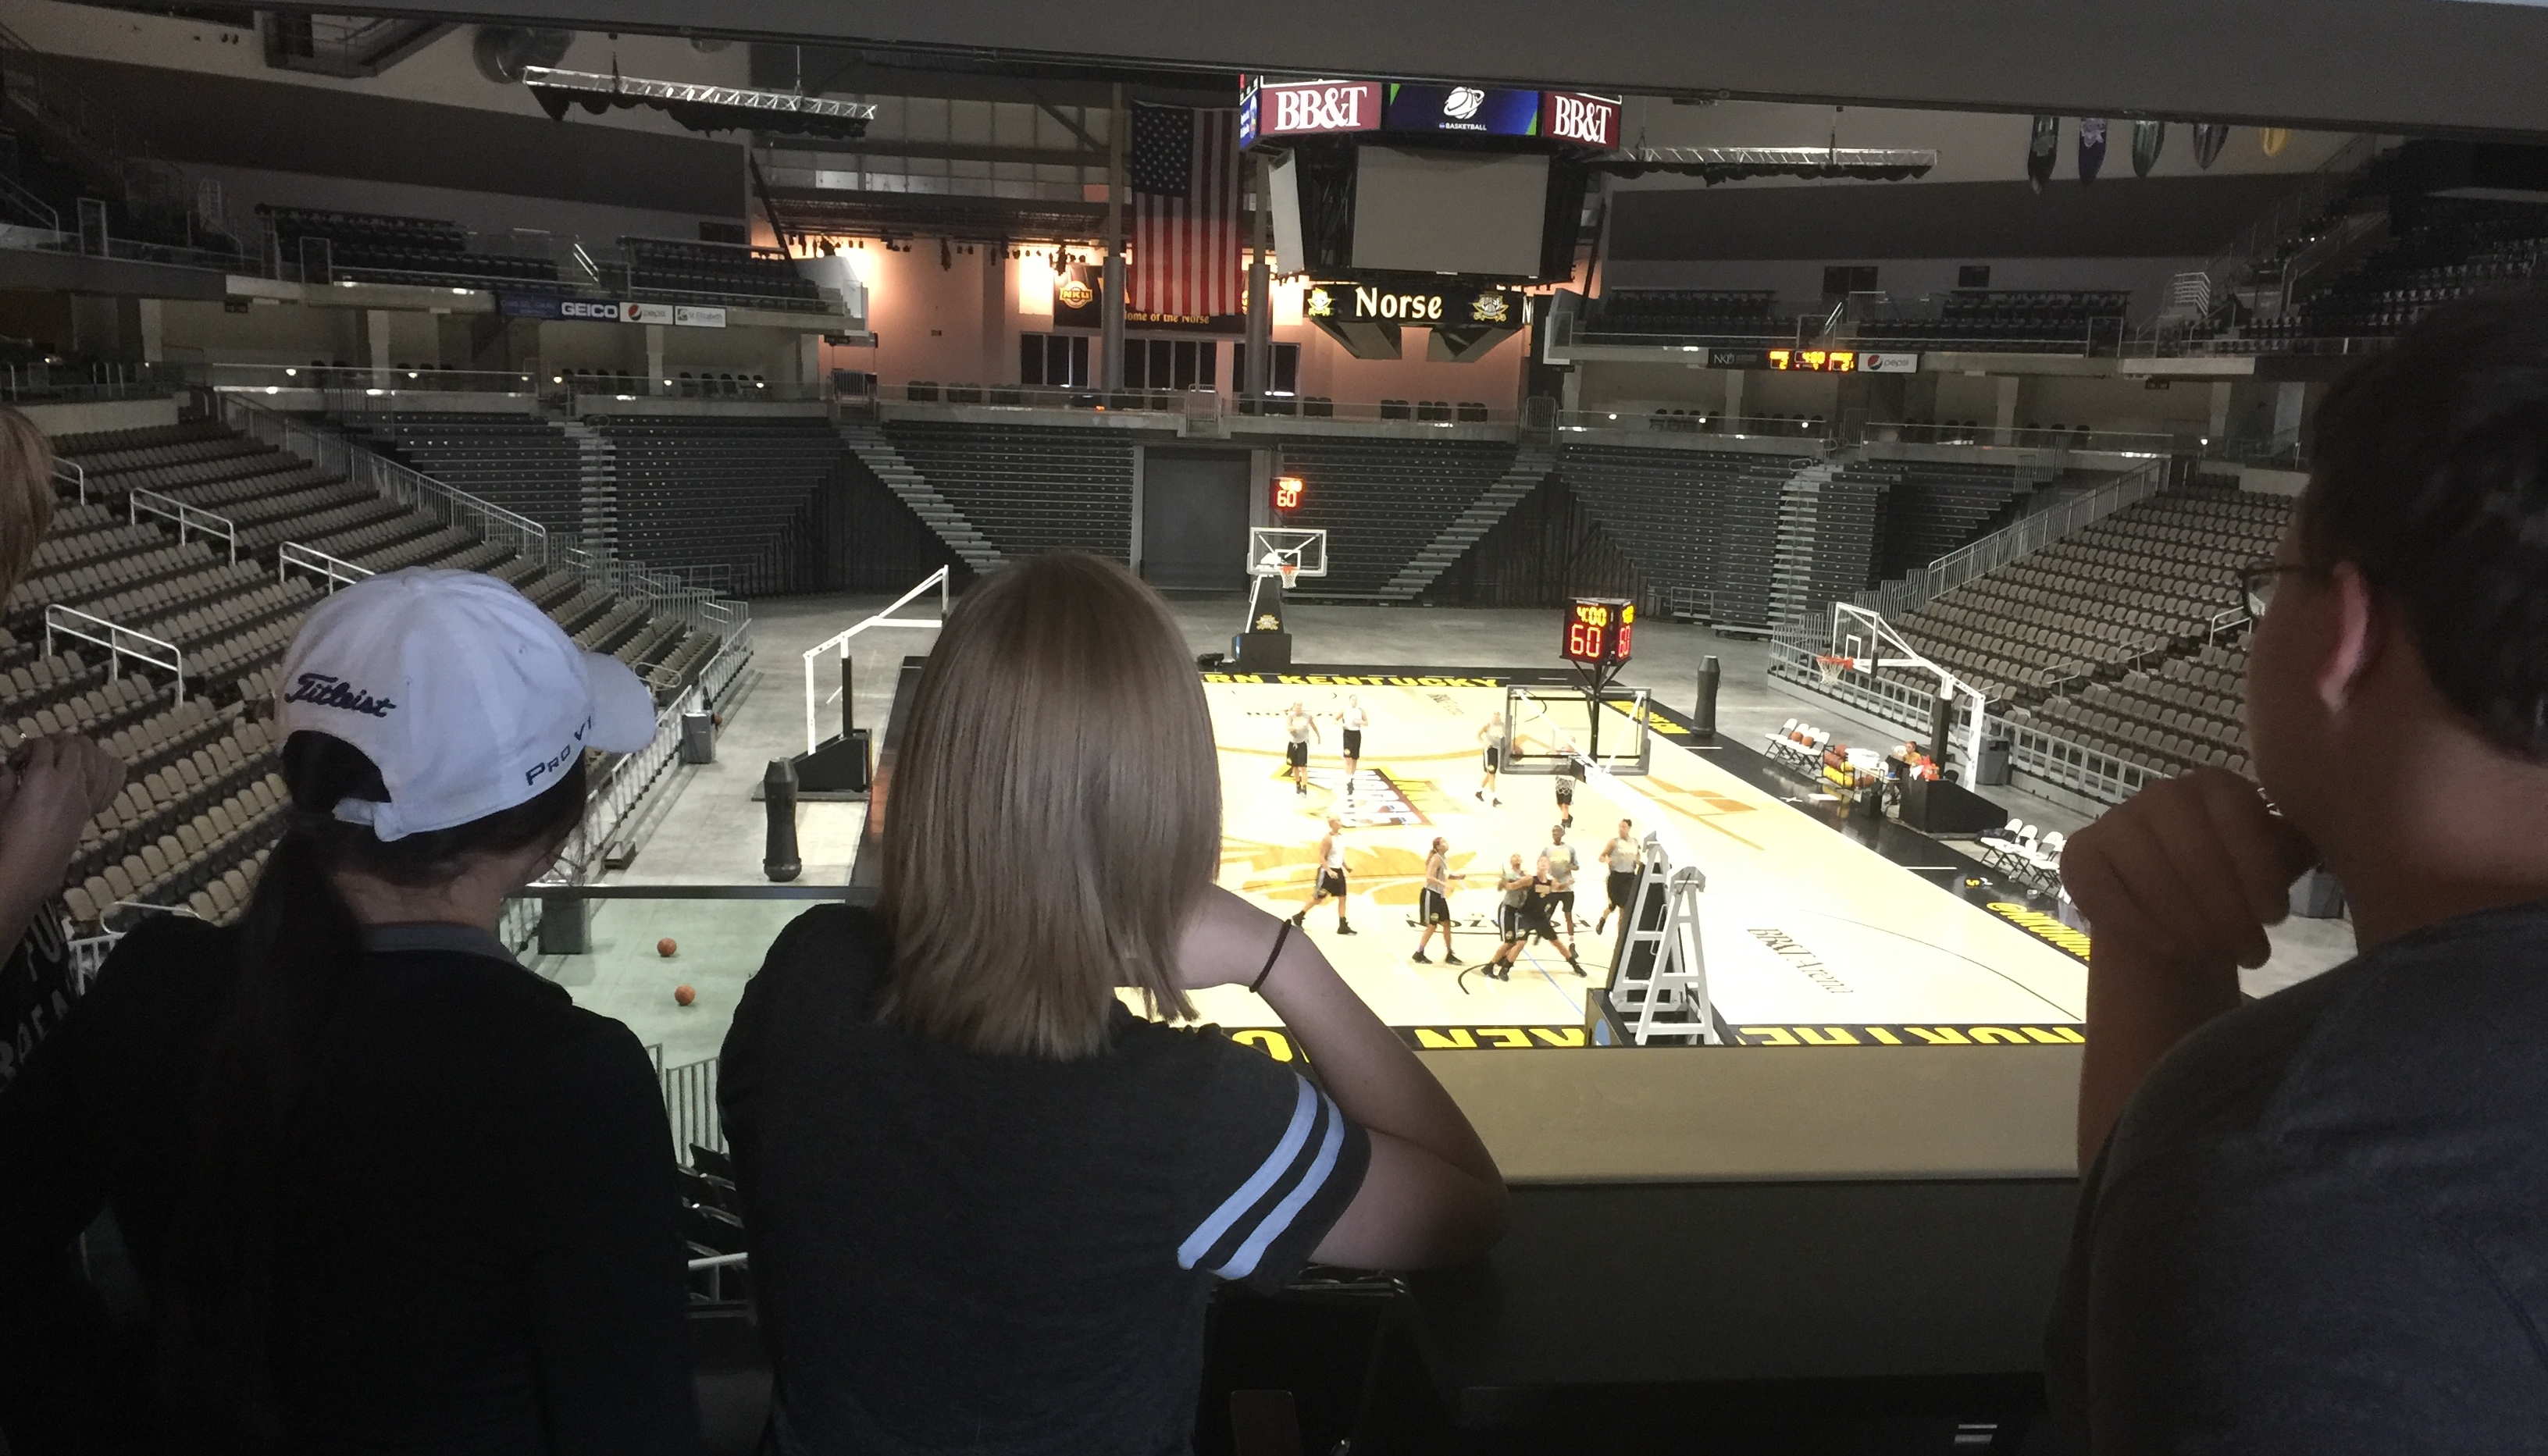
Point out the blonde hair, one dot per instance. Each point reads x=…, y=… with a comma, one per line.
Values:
x=26, y=495
x=1054, y=813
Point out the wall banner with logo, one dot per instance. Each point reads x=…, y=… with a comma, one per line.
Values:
x=1451, y=303
x=1572, y=116
x=1416, y=107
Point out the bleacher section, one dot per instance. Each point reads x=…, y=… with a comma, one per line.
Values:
x=717, y=273
x=2181, y=715
x=1382, y=500
x=375, y=247
x=726, y=491
x=1029, y=488
x=1702, y=526
x=1936, y=506
x=521, y=462
x=2445, y=248
x=2150, y=581
x=2066, y=319
x=202, y=804
x=1681, y=313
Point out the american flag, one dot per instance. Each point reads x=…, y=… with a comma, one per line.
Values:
x=1184, y=169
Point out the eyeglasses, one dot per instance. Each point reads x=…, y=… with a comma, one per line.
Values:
x=2256, y=581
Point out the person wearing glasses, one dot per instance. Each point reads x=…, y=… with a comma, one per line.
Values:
x=2318, y=1220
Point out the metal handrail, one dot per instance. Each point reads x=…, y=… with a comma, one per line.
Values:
x=76, y=473
x=120, y=642
x=335, y=572
x=188, y=517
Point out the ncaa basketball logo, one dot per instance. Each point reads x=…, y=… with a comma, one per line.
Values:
x=1463, y=103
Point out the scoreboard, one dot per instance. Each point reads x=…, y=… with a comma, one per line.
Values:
x=1287, y=493
x=1597, y=630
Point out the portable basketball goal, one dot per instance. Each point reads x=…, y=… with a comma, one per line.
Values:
x=1278, y=557
x=840, y=643
x=1862, y=641
x=1550, y=730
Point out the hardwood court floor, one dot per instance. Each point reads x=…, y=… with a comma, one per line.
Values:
x=1804, y=927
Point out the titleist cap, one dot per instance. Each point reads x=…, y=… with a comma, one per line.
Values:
x=464, y=694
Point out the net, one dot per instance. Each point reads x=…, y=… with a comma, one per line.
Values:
x=1832, y=667
x=1290, y=571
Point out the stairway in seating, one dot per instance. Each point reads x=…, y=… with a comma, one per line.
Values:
x=1531, y=465
x=599, y=458
x=879, y=456
x=1799, y=510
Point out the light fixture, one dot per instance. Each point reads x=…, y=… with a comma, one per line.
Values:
x=291, y=373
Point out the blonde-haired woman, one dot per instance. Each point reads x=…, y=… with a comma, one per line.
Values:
x=49, y=789
x=988, y=1205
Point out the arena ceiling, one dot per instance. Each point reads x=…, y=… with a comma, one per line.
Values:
x=2418, y=66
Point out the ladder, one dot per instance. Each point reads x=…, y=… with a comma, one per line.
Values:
x=1659, y=986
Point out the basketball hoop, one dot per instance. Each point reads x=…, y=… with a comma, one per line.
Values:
x=1290, y=571
x=1832, y=667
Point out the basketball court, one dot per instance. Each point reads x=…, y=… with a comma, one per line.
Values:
x=1811, y=935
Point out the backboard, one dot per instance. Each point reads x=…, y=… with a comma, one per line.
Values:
x=1547, y=730
x=1268, y=547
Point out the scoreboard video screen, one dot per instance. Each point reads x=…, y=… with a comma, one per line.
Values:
x=1598, y=630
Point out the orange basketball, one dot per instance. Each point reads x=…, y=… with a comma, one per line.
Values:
x=667, y=948
x=684, y=995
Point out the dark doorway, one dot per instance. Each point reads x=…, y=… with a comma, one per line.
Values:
x=1194, y=519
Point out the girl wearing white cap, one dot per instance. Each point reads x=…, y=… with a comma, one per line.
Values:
x=989, y=1204
x=386, y=1187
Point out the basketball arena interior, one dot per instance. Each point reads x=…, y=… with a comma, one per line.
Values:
x=1821, y=437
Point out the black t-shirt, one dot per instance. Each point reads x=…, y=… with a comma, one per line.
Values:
x=1003, y=1255
x=2322, y=1226
x=481, y=1236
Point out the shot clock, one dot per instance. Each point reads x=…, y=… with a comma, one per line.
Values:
x=1598, y=631
x=1287, y=493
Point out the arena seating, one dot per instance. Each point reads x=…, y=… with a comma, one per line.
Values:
x=2012, y=319
x=2152, y=581
x=1029, y=488
x=1681, y=313
x=722, y=273
x=2180, y=716
x=1382, y=500
x=376, y=247
x=202, y=804
x=729, y=490
x=1936, y=506
x=1702, y=526
x=521, y=462
x=2445, y=248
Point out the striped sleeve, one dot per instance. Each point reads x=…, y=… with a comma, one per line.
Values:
x=1283, y=1165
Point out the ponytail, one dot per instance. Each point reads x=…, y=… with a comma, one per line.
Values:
x=300, y=947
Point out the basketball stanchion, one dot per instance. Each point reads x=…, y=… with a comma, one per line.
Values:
x=779, y=859
x=1703, y=713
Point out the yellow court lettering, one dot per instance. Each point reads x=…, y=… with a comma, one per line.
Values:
x=1272, y=1043
x=1770, y=1036
x=1456, y=1038
x=1827, y=1036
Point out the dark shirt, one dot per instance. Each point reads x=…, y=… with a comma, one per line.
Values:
x=36, y=989
x=1003, y=1255
x=2321, y=1224
x=481, y=1239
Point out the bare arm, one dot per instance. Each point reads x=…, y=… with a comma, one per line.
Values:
x=2178, y=886
x=61, y=782
x=1432, y=1194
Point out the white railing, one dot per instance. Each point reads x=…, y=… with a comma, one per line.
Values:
x=76, y=473
x=120, y=642
x=190, y=520
x=2020, y=539
x=333, y=572
x=840, y=642
x=609, y=803
x=387, y=479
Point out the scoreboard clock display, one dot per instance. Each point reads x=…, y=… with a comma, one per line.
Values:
x=1817, y=361
x=1597, y=630
x=1287, y=493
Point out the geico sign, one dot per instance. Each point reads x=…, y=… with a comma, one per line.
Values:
x=1591, y=119
x=1318, y=106
x=583, y=308
x=1371, y=303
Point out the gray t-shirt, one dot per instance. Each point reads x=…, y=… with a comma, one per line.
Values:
x=1560, y=860
x=2321, y=1224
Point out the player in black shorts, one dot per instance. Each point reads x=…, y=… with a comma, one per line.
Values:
x=1350, y=724
x=1433, y=902
x=1491, y=751
x=1515, y=917
x=1566, y=795
x=1625, y=856
x=1298, y=729
x=1330, y=883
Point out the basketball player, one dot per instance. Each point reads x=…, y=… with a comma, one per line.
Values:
x=1566, y=794
x=1298, y=729
x=1513, y=918
x=1626, y=855
x=1352, y=721
x=1556, y=882
x=1491, y=748
x=1332, y=877
x=1433, y=902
